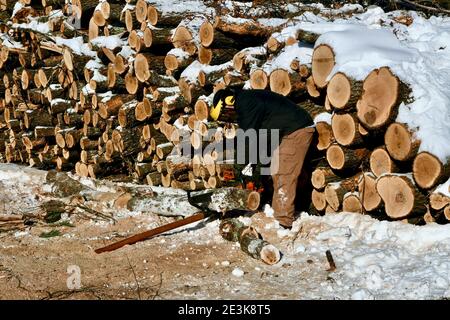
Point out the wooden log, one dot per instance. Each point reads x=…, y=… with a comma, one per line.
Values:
x=352, y=203
x=259, y=79
x=311, y=87
x=369, y=196
x=249, y=240
x=177, y=59
x=345, y=129
x=439, y=199
x=340, y=158
x=127, y=114
x=154, y=179
x=33, y=118
x=325, y=135
x=215, y=56
x=343, y=92
x=380, y=162
x=335, y=191
x=318, y=200
x=244, y=27
x=401, y=142
x=323, y=61
x=190, y=91
x=284, y=82
x=429, y=171
x=375, y=112
x=249, y=58
x=401, y=197
x=322, y=176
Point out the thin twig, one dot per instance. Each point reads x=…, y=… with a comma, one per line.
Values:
x=135, y=278
x=433, y=9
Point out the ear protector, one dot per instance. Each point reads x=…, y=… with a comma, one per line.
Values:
x=215, y=110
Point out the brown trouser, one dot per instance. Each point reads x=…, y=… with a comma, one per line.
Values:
x=286, y=166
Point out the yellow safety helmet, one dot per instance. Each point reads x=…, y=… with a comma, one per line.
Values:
x=217, y=107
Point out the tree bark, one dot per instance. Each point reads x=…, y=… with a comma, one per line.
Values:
x=249, y=240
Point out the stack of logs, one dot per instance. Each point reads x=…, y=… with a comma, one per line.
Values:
x=106, y=88
x=372, y=162
x=122, y=94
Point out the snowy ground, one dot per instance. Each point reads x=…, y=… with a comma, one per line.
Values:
x=374, y=259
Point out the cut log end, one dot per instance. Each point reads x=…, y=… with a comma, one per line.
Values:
x=382, y=91
x=253, y=201
x=322, y=64
x=400, y=197
x=270, y=254
x=428, y=170
x=400, y=143
x=259, y=79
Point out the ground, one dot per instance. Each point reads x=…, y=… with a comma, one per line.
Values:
x=172, y=266
x=373, y=261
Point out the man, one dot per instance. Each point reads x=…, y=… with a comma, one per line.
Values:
x=262, y=109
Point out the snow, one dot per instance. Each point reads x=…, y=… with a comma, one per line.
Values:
x=110, y=42
x=268, y=210
x=380, y=259
x=41, y=27
x=106, y=96
x=444, y=188
x=323, y=117
x=76, y=45
x=237, y=272
x=94, y=64
x=165, y=7
x=374, y=259
x=179, y=53
x=17, y=7
x=127, y=52
x=417, y=54
x=289, y=53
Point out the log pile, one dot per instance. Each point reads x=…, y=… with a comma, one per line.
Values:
x=121, y=94
x=373, y=164
x=106, y=87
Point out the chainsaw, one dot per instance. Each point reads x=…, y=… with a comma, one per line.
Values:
x=200, y=200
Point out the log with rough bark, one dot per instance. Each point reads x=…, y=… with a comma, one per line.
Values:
x=401, y=197
x=340, y=158
x=215, y=56
x=382, y=94
x=322, y=176
x=249, y=240
x=429, y=171
x=244, y=27
x=401, y=142
x=177, y=59
x=249, y=58
x=343, y=92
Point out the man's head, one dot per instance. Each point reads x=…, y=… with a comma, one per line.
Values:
x=223, y=101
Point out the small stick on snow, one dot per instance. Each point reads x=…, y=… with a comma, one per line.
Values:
x=330, y=261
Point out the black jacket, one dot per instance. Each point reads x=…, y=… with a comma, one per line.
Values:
x=262, y=109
